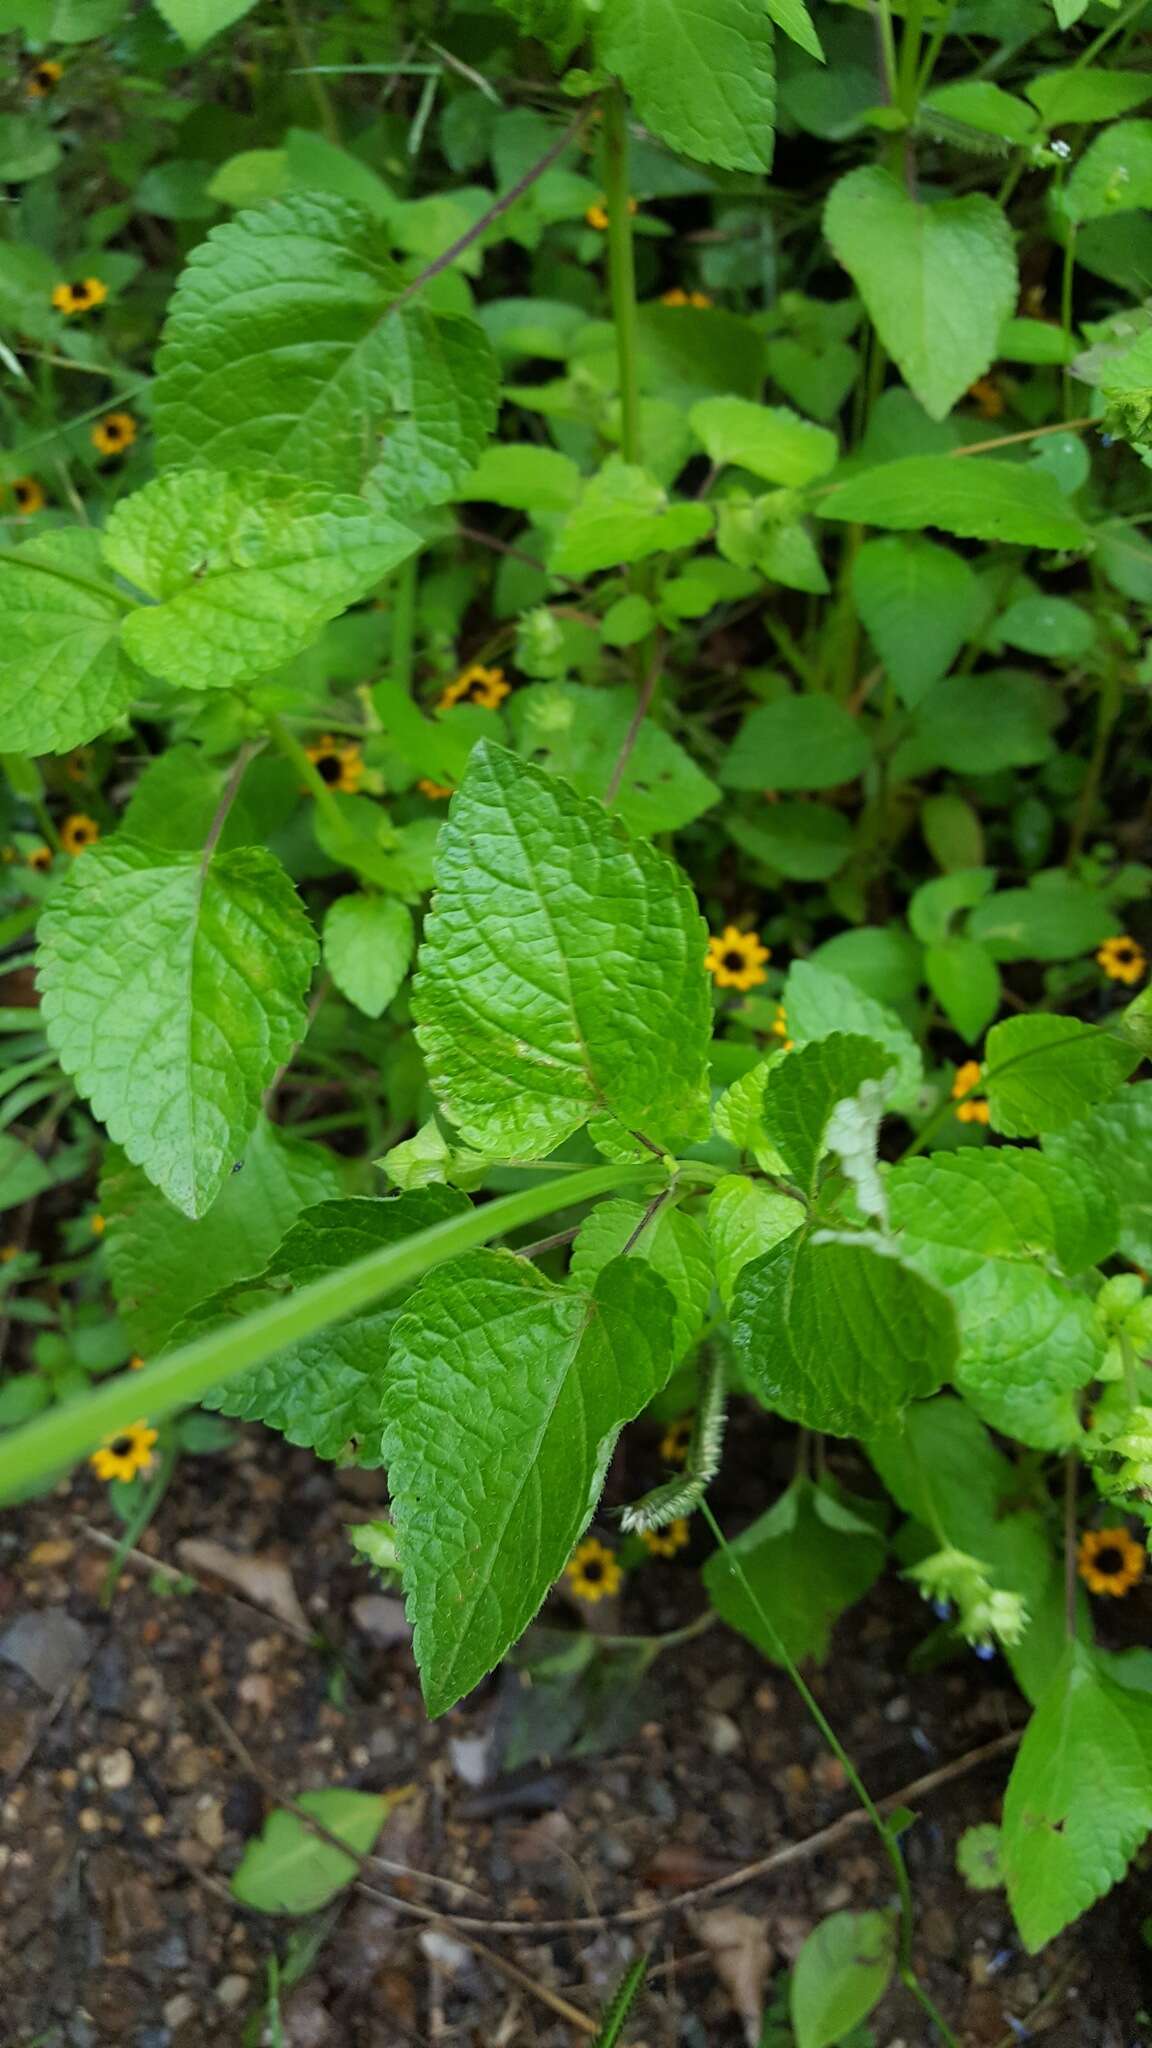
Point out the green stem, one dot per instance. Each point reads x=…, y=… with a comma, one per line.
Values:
x=622, y=268
x=1108, y=707
x=952, y=1103
x=1114, y=28
x=316, y=86
x=404, y=624
x=908, y=80
x=290, y=747
x=935, y=45
x=1067, y=279
x=56, y=1439
x=138, y=1522
x=886, y=33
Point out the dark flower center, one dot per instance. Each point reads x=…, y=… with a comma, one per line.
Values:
x=23, y=493
x=1110, y=1561
x=475, y=689
x=593, y=1569
x=329, y=767
x=733, y=960
x=112, y=431
x=120, y=1446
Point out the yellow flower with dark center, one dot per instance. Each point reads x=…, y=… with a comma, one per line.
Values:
x=77, y=832
x=124, y=1455
x=40, y=858
x=43, y=79
x=989, y=397
x=81, y=296
x=679, y=297
x=736, y=959
x=29, y=495
x=434, y=790
x=115, y=432
x=339, y=763
x=675, y=1441
x=475, y=685
x=667, y=1541
x=975, y=1110
x=592, y=1571
x=596, y=215
x=1110, y=1561
x=1123, y=960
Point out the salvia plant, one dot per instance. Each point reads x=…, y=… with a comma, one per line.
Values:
x=606, y=637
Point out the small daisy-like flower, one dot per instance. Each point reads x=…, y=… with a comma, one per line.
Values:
x=597, y=214
x=736, y=959
x=667, y=1541
x=1110, y=1561
x=43, y=79
x=78, y=764
x=77, y=832
x=675, y=1441
x=434, y=790
x=592, y=1571
x=339, y=763
x=475, y=685
x=29, y=495
x=679, y=297
x=975, y=1110
x=115, y=432
x=97, y=1224
x=988, y=396
x=40, y=858
x=1123, y=960
x=123, y=1456
x=81, y=296
x=780, y=1028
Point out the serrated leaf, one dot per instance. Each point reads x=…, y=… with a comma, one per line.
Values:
x=803, y=1570
x=818, y=1002
x=841, y=1972
x=1044, y=1072
x=809, y=1102
x=64, y=676
x=623, y=516
x=673, y=1244
x=1113, y=1144
x=197, y=21
x=739, y=1115
x=504, y=1398
x=288, y=1869
x=162, y=1264
x=972, y=496
x=579, y=734
x=744, y=1219
x=561, y=972
x=770, y=440
x=797, y=743
x=793, y=17
x=280, y=353
x=1114, y=175
x=938, y=278
x=245, y=571
x=836, y=1333
x=1004, y=1204
x=919, y=602
x=171, y=993
x=1079, y=1800
x=368, y=946
x=700, y=72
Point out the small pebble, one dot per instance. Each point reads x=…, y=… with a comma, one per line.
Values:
x=232, y=1991
x=116, y=1769
x=179, y=2009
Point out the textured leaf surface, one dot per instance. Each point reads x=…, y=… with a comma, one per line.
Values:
x=806, y=1560
x=818, y=1002
x=561, y=971
x=504, y=1398
x=64, y=677
x=938, y=278
x=1079, y=1800
x=701, y=74
x=172, y=995
x=368, y=945
x=744, y=1219
x=245, y=570
x=770, y=440
x=1114, y=1144
x=919, y=603
x=1004, y=1204
x=288, y=1869
x=579, y=733
x=806, y=1095
x=836, y=1333
x=970, y=496
x=673, y=1245
x=624, y=516
x=280, y=353
x=1043, y=1072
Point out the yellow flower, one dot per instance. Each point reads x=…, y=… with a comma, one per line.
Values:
x=1123, y=960
x=675, y=1441
x=989, y=397
x=1110, y=1561
x=475, y=685
x=115, y=432
x=97, y=1225
x=435, y=790
x=123, y=1456
x=678, y=297
x=975, y=1110
x=9, y=1252
x=597, y=214
x=780, y=1028
x=592, y=1571
x=667, y=1541
x=43, y=79
x=29, y=495
x=78, y=764
x=339, y=763
x=80, y=296
x=77, y=832
x=40, y=858
x=136, y=1363
x=736, y=959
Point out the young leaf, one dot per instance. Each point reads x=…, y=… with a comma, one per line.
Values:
x=744, y=1219
x=701, y=74
x=624, y=516
x=579, y=733
x=770, y=440
x=672, y=1244
x=818, y=1002
x=623, y=1999
x=64, y=677
x=1079, y=1800
x=841, y=1972
x=245, y=570
x=971, y=496
x=937, y=278
x=1043, y=1072
x=503, y=1401
x=368, y=944
x=288, y=1869
x=171, y=993
x=834, y=1332
x=806, y=1560
x=815, y=1101
x=561, y=972
x=919, y=603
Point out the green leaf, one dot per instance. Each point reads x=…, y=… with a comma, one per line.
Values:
x=793, y=17
x=1054, y=918
x=834, y=1332
x=246, y=571
x=977, y=725
x=1051, y=626
x=937, y=903
x=978, y=1857
x=162, y=1264
x=524, y=478
x=280, y=353
x=825, y=1098
x=744, y=1219
x=943, y=1469
x=1080, y=94
x=804, y=842
x=27, y=149
x=966, y=983
x=977, y=103
x=967, y=495
x=806, y=1560
x=1044, y=1072
x=561, y=972
x=841, y=1972
x=171, y=994
x=818, y=1002
x=1003, y=1204
x=700, y=73
x=579, y=734
x=63, y=675
x=919, y=603
x=1079, y=1800
x=674, y=1246
x=503, y=1401
x=1114, y=1143
x=624, y=516
x=797, y=743
x=770, y=440
x=1114, y=175
x=197, y=21
x=368, y=946
x=288, y=1869
x=938, y=279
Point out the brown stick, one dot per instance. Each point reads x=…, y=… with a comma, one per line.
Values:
x=643, y=703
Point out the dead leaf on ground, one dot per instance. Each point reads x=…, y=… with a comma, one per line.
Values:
x=265, y=1581
x=739, y=1947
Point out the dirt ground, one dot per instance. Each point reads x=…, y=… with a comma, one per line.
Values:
x=142, y=1743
